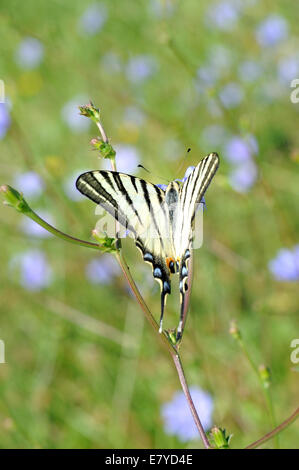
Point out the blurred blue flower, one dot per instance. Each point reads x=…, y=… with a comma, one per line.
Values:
x=31, y=228
x=231, y=95
x=188, y=172
x=29, y=183
x=173, y=149
x=178, y=418
x=69, y=186
x=220, y=58
x=213, y=108
x=29, y=53
x=214, y=135
x=249, y=71
x=288, y=69
x=35, y=272
x=140, y=67
x=222, y=15
x=243, y=176
x=102, y=270
x=206, y=76
x=134, y=116
x=285, y=266
x=111, y=62
x=272, y=31
x=162, y=186
x=127, y=158
x=5, y=119
x=161, y=8
x=93, y=19
x=72, y=118
x=239, y=150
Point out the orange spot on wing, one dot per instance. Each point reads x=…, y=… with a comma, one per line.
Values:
x=168, y=261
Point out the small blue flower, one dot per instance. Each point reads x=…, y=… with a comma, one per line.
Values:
x=249, y=71
x=134, y=116
x=161, y=8
x=69, y=186
x=231, y=95
x=30, y=53
x=29, y=183
x=72, y=117
x=93, y=19
x=173, y=149
x=285, y=266
x=31, y=228
x=222, y=15
x=220, y=58
x=288, y=69
x=111, y=63
x=35, y=272
x=162, y=186
x=272, y=31
x=206, y=76
x=188, y=172
x=5, y=120
x=102, y=270
x=214, y=135
x=237, y=150
x=127, y=158
x=243, y=176
x=140, y=68
x=178, y=418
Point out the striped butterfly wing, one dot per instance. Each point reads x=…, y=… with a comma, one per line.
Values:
x=140, y=207
x=191, y=194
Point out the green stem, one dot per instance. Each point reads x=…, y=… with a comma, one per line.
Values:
x=59, y=234
x=275, y=431
x=266, y=391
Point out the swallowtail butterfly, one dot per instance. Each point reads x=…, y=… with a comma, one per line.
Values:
x=163, y=225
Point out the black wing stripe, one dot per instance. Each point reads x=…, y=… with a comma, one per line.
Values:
x=107, y=178
x=88, y=185
x=125, y=193
x=133, y=181
x=149, y=205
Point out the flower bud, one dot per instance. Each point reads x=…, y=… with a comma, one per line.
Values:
x=219, y=438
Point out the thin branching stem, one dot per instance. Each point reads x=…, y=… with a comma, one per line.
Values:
x=275, y=431
x=180, y=371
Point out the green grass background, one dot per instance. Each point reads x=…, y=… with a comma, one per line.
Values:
x=65, y=386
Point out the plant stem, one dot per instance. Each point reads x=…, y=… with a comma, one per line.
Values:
x=180, y=371
x=265, y=390
x=275, y=431
x=60, y=234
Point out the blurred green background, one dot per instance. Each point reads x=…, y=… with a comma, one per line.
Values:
x=82, y=367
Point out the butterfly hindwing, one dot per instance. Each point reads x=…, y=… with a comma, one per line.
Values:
x=192, y=193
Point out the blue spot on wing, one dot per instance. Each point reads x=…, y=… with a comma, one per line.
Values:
x=157, y=272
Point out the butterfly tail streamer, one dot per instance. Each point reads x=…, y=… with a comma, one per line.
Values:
x=183, y=289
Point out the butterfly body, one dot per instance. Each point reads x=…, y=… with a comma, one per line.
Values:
x=161, y=221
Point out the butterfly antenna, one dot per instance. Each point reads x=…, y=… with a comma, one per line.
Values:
x=157, y=176
x=183, y=161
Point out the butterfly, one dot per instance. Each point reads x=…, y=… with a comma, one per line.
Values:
x=161, y=221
